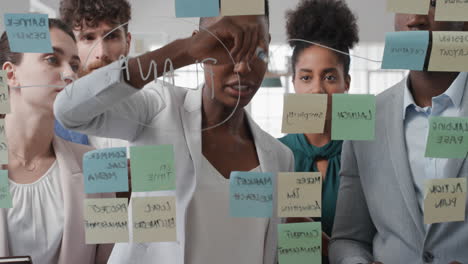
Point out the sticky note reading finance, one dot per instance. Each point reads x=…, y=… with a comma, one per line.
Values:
x=5, y=196
x=106, y=220
x=419, y=7
x=405, y=50
x=28, y=32
x=451, y=10
x=251, y=194
x=449, y=51
x=152, y=168
x=304, y=113
x=353, y=117
x=445, y=200
x=300, y=194
x=154, y=219
x=448, y=137
x=242, y=7
x=3, y=143
x=300, y=243
x=197, y=8
x=4, y=95
x=105, y=170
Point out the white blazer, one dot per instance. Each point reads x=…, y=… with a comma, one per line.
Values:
x=101, y=104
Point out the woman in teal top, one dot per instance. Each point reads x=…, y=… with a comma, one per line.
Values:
x=318, y=70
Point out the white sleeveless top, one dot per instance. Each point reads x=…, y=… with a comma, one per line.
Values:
x=35, y=223
x=212, y=235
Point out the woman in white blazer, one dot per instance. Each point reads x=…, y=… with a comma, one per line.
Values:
x=211, y=135
x=45, y=172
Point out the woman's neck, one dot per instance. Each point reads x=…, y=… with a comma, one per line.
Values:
x=426, y=85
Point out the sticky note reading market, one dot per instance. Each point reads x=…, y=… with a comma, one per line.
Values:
x=405, y=50
x=28, y=32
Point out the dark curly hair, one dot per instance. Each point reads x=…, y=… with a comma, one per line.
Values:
x=327, y=22
x=77, y=13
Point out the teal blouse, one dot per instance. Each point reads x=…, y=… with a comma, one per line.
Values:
x=305, y=155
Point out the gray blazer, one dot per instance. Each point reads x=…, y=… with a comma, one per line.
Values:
x=377, y=215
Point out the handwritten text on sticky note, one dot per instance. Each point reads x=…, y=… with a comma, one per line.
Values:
x=105, y=170
x=300, y=243
x=451, y=10
x=28, y=32
x=353, y=117
x=448, y=137
x=251, y=194
x=154, y=219
x=304, y=113
x=152, y=168
x=300, y=194
x=419, y=7
x=405, y=50
x=449, y=51
x=106, y=220
x=242, y=7
x=3, y=143
x=4, y=95
x=197, y=8
x=445, y=200
x=5, y=196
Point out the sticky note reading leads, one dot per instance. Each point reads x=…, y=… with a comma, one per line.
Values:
x=4, y=95
x=449, y=51
x=28, y=32
x=452, y=10
x=419, y=7
x=251, y=194
x=5, y=196
x=152, y=168
x=105, y=170
x=300, y=194
x=304, y=113
x=300, y=243
x=353, y=117
x=445, y=200
x=197, y=8
x=106, y=220
x=405, y=50
x=448, y=137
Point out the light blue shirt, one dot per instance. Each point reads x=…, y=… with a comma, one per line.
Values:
x=416, y=124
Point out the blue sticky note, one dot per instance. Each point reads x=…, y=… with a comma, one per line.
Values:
x=5, y=196
x=405, y=50
x=105, y=170
x=251, y=194
x=197, y=8
x=28, y=32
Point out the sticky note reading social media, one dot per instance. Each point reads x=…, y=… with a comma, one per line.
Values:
x=300, y=194
x=28, y=32
x=445, y=200
x=242, y=7
x=4, y=94
x=152, y=168
x=304, y=113
x=3, y=143
x=5, y=196
x=449, y=51
x=197, y=8
x=251, y=194
x=105, y=170
x=353, y=117
x=451, y=10
x=300, y=243
x=154, y=219
x=106, y=220
x=419, y=7
x=448, y=137
x=405, y=50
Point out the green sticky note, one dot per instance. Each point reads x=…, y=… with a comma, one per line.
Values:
x=152, y=168
x=5, y=196
x=353, y=117
x=448, y=137
x=300, y=243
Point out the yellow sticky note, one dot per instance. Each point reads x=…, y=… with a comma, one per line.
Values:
x=154, y=219
x=3, y=143
x=4, y=95
x=242, y=7
x=453, y=10
x=420, y=7
x=445, y=200
x=106, y=220
x=449, y=51
x=300, y=194
x=304, y=113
